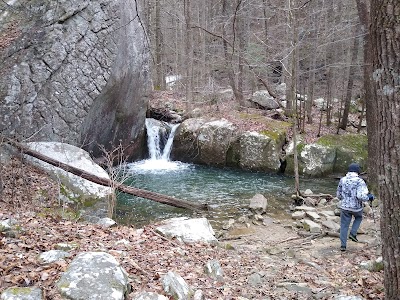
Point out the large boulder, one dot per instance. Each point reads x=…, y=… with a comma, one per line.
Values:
x=317, y=160
x=214, y=140
x=74, y=71
x=314, y=160
x=72, y=187
x=185, y=142
x=259, y=151
x=94, y=275
x=264, y=99
x=349, y=148
x=220, y=143
x=202, y=141
x=329, y=154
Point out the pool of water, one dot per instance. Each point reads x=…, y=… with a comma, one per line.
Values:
x=226, y=191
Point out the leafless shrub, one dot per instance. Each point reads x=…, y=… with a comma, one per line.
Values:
x=115, y=162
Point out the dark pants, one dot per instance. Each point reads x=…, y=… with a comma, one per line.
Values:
x=345, y=219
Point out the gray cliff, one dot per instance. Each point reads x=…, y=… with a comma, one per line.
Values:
x=74, y=71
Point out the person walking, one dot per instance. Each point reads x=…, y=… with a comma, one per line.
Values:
x=352, y=191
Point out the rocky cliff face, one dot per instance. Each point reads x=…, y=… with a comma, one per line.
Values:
x=74, y=71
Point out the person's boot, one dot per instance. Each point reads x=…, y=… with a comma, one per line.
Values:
x=353, y=238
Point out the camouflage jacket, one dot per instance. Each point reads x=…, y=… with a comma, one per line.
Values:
x=352, y=191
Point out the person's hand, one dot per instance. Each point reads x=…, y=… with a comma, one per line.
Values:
x=370, y=197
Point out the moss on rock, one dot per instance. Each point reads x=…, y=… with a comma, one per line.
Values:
x=349, y=148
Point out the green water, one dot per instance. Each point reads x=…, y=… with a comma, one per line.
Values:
x=227, y=191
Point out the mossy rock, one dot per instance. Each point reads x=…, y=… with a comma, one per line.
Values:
x=78, y=199
x=349, y=148
x=276, y=130
x=278, y=135
x=22, y=293
x=290, y=158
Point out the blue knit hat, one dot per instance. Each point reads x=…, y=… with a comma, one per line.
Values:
x=354, y=167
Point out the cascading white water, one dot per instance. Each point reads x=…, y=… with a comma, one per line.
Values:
x=154, y=141
x=168, y=146
x=160, y=147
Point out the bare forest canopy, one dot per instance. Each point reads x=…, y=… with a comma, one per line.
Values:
x=315, y=47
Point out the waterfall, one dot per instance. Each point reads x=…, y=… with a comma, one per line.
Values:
x=168, y=145
x=160, y=137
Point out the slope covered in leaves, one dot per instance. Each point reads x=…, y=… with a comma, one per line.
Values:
x=30, y=198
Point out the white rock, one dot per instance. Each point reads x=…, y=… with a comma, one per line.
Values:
x=188, y=230
x=106, y=222
x=258, y=203
x=311, y=226
x=298, y=215
x=176, y=286
x=335, y=227
x=308, y=192
x=313, y=215
x=149, y=296
x=327, y=213
x=94, y=275
x=51, y=256
x=75, y=157
x=214, y=270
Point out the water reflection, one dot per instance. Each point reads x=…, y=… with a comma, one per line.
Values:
x=227, y=191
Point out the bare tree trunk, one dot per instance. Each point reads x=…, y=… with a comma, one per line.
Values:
x=204, y=9
x=370, y=106
x=265, y=16
x=188, y=56
x=290, y=96
x=359, y=126
x=329, y=96
x=230, y=56
x=385, y=45
x=295, y=159
x=241, y=33
x=313, y=67
x=160, y=74
x=293, y=94
x=329, y=59
x=350, y=82
x=146, y=13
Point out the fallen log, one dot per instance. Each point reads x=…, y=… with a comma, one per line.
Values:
x=108, y=182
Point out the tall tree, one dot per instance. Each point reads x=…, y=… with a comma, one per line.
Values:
x=371, y=106
x=350, y=81
x=188, y=55
x=289, y=60
x=232, y=50
x=385, y=45
x=159, y=49
x=313, y=64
